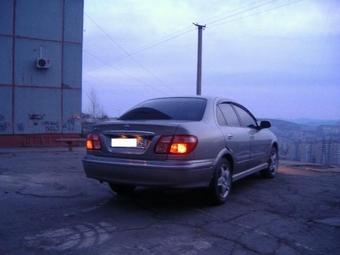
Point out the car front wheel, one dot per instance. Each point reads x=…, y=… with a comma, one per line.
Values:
x=273, y=164
x=220, y=185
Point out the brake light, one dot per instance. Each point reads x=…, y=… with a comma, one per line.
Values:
x=178, y=144
x=89, y=144
x=93, y=141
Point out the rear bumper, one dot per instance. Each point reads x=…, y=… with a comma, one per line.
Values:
x=166, y=173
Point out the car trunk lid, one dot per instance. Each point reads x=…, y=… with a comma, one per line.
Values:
x=134, y=140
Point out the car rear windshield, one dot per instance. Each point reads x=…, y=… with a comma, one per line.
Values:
x=168, y=108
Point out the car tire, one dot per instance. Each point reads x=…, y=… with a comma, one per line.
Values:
x=220, y=185
x=273, y=164
x=123, y=190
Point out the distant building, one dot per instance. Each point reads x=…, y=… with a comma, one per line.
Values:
x=330, y=151
x=325, y=151
x=308, y=143
x=40, y=71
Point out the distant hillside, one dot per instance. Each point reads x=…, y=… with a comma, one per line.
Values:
x=287, y=129
x=301, y=124
x=283, y=124
x=311, y=122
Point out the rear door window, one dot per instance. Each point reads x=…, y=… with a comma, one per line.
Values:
x=229, y=115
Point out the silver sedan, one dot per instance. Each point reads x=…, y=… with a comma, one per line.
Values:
x=181, y=142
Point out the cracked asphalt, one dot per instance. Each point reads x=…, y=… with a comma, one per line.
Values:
x=48, y=206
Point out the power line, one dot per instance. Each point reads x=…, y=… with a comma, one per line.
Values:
x=253, y=14
x=180, y=33
x=176, y=34
x=137, y=62
x=232, y=11
x=107, y=82
x=158, y=42
x=238, y=13
x=132, y=77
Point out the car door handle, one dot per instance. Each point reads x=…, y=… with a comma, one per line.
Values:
x=230, y=136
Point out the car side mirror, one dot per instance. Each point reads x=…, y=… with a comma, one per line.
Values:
x=265, y=124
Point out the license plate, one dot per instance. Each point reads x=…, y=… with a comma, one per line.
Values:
x=124, y=142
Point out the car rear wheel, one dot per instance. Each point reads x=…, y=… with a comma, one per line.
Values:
x=221, y=182
x=273, y=164
x=124, y=190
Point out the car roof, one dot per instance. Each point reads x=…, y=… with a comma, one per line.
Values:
x=209, y=98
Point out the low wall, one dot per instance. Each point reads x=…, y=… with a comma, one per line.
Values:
x=37, y=140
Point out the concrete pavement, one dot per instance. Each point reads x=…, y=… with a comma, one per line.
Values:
x=48, y=206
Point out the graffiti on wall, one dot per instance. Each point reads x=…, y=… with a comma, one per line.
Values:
x=3, y=127
x=36, y=118
x=3, y=124
x=72, y=123
x=39, y=121
x=69, y=124
x=51, y=126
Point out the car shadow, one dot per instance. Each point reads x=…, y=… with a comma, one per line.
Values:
x=165, y=197
x=176, y=198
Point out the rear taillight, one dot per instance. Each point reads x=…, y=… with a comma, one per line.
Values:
x=178, y=144
x=93, y=141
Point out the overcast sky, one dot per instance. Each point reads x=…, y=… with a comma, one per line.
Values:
x=280, y=59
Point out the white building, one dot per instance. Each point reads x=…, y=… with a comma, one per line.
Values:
x=40, y=71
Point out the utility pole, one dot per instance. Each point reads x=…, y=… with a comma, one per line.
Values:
x=199, y=59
